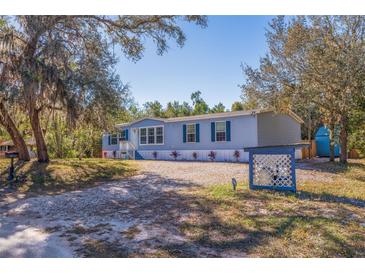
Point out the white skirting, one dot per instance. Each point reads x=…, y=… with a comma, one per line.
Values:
x=202, y=155
x=226, y=155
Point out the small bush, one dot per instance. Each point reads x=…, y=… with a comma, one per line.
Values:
x=175, y=154
x=154, y=154
x=236, y=154
x=195, y=155
x=212, y=154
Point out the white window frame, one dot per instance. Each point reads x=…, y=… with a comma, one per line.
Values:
x=225, y=131
x=187, y=134
x=148, y=135
x=140, y=135
x=163, y=135
x=111, y=138
x=155, y=136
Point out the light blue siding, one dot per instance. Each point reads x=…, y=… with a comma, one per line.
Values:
x=106, y=145
x=242, y=133
x=147, y=123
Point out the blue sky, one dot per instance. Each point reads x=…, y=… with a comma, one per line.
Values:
x=210, y=62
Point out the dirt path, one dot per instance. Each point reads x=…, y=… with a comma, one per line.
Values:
x=139, y=216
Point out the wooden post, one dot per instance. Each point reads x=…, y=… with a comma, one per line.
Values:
x=11, y=170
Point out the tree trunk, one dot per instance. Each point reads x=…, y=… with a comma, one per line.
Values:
x=14, y=133
x=42, y=152
x=332, y=142
x=343, y=140
x=31, y=87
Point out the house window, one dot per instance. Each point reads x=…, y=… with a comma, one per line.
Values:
x=114, y=139
x=191, y=133
x=159, y=135
x=151, y=135
x=143, y=136
x=220, y=131
x=123, y=136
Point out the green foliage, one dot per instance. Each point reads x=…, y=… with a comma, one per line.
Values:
x=357, y=131
x=218, y=108
x=175, y=109
x=200, y=106
x=236, y=106
x=153, y=109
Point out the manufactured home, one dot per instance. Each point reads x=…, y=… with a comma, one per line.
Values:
x=218, y=136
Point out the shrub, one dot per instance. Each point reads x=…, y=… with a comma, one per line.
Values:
x=154, y=154
x=236, y=154
x=212, y=154
x=174, y=154
x=195, y=155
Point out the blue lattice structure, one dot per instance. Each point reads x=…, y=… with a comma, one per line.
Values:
x=273, y=167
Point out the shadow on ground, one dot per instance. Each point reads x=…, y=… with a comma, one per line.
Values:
x=153, y=216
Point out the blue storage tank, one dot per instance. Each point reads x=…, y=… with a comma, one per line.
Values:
x=323, y=143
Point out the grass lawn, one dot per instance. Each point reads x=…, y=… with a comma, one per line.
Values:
x=60, y=175
x=323, y=219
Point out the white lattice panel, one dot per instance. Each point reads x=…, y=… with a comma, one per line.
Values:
x=272, y=170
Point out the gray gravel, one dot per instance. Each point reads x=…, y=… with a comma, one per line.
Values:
x=198, y=173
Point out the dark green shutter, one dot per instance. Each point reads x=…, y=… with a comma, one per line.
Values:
x=212, y=131
x=184, y=133
x=197, y=133
x=228, y=130
x=126, y=134
x=109, y=140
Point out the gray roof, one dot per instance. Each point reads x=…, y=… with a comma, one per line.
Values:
x=210, y=116
x=289, y=145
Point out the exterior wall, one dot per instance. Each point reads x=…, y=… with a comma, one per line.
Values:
x=243, y=133
x=277, y=129
x=105, y=144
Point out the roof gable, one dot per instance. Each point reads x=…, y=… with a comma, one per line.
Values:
x=139, y=120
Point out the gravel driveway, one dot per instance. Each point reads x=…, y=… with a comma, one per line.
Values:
x=134, y=217
x=198, y=173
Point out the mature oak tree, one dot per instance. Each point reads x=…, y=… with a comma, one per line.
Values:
x=315, y=64
x=46, y=49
